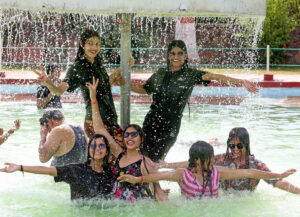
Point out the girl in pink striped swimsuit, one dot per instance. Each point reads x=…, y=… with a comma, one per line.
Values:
x=201, y=178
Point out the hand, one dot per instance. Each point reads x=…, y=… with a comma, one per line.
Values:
x=93, y=88
x=128, y=178
x=10, y=168
x=287, y=173
x=116, y=78
x=250, y=86
x=44, y=131
x=131, y=61
x=42, y=77
x=16, y=126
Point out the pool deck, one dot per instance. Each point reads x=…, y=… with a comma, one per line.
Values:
x=280, y=81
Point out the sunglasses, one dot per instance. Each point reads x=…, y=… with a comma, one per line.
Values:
x=239, y=145
x=133, y=134
x=180, y=53
x=101, y=146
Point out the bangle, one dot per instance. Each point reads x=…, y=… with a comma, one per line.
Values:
x=21, y=169
x=94, y=102
x=141, y=179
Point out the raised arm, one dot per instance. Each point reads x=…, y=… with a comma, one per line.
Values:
x=250, y=86
x=98, y=124
x=227, y=173
x=286, y=186
x=45, y=80
x=175, y=176
x=10, y=168
x=15, y=127
x=138, y=88
x=175, y=165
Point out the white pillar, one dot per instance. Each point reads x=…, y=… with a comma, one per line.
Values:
x=125, y=73
x=268, y=59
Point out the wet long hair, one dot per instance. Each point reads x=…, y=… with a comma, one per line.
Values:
x=87, y=34
x=203, y=151
x=139, y=130
x=243, y=135
x=180, y=44
x=105, y=162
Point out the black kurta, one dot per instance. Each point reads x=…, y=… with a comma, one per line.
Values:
x=171, y=92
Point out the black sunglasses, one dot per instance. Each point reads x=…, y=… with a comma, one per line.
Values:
x=133, y=134
x=101, y=145
x=239, y=145
x=180, y=53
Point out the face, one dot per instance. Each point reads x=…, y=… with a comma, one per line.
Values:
x=177, y=57
x=132, y=139
x=236, y=152
x=98, y=151
x=92, y=47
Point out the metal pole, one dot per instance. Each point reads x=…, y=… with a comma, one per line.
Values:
x=268, y=59
x=1, y=39
x=125, y=55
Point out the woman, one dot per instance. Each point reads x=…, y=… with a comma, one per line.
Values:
x=201, y=178
x=171, y=88
x=238, y=156
x=89, y=180
x=129, y=159
x=88, y=65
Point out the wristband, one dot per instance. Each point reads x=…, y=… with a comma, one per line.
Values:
x=21, y=169
x=94, y=102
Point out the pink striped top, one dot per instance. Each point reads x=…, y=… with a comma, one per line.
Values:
x=191, y=188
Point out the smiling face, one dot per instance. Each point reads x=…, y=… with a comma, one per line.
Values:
x=132, y=139
x=235, y=151
x=98, y=149
x=177, y=57
x=91, y=48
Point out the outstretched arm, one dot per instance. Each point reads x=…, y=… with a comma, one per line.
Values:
x=175, y=165
x=15, y=127
x=250, y=86
x=10, y=168
x=227, y=173
x=175, y=176
x=45, y=80
x=97, y=119
x=286, y=186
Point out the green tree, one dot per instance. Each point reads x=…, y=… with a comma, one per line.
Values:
x=281, y=19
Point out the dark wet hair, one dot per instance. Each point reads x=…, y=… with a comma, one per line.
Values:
x=243, y=135
x=53, y=114
x=203, y=151
x=105, y=163
x=51, y=67
x=181, y=45
x=138, y=129
x=87, y=34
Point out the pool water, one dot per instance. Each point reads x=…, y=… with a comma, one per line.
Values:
x=274, y=135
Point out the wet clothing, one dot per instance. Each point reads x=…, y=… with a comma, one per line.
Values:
x=170, y=93
x=84, y=182
x=191, y=188
x=84, y=71
x=43, y=92
x=128, y=191
x=248, y=184
x=78, y=154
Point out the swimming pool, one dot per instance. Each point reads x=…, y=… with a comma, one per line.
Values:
x=274, y=135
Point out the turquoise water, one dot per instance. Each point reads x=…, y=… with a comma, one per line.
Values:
x=275, y=139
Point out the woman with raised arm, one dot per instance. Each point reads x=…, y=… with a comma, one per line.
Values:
x=87, y=65
x=129, y=159
x=171, y=88
x=201, y=178
x=93, y=179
